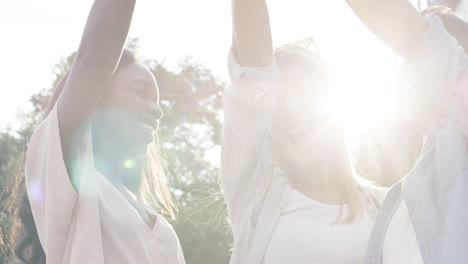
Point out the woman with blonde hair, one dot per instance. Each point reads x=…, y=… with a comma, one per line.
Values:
x=291, y=192
x=96, y=189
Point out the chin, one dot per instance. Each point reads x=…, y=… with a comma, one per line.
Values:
x=136, y=144
x=306, y=155
x=147, y=137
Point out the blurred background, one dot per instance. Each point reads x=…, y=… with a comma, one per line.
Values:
x=185, y=44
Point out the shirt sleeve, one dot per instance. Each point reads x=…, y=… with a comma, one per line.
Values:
x=50, y=191
x=438, y=77
x=249, y=105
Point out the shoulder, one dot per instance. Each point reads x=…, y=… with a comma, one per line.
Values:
x=373, y=196
x=379, y=193
x=238, y=71
x=371, y=190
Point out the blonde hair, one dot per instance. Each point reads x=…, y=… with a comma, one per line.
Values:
x=303, y=51
x=358, y=191
x=153, y=190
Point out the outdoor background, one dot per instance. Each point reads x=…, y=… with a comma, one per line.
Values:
x=185, y=44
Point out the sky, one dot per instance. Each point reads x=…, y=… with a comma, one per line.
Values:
x=37, y=34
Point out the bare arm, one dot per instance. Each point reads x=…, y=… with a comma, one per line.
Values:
x=96, y=60
x=251, y=39
x=396, y=22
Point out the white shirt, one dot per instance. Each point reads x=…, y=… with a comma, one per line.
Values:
x=401, y=244
x=95, y=225
x=442, y=58
x=307, y=232
x=256, y=191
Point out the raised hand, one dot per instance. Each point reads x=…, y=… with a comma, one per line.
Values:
x=251, y=40
x=396, y=22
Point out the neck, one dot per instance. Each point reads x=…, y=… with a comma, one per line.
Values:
x=323, y=183
x=115, y=164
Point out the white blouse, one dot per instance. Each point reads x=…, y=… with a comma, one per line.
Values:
x=97, y=224
x=256, y=191
x=438, y=78
x=401, y=244
x=308, y=233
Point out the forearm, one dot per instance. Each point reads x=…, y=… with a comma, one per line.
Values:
x=396, y=22
x=436, y=79
x=251, y=39
x=105, y=34
x=96, y=60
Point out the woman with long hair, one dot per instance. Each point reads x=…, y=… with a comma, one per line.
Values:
x=291, y=192
x=96, y=187
x=423, y=218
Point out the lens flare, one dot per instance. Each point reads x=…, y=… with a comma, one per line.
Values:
x=129, y=164
x=36, y=191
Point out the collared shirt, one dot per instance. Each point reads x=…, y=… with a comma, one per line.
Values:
x=257, y=192
x=436, y=190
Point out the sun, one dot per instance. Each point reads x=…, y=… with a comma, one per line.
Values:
x=366, y=92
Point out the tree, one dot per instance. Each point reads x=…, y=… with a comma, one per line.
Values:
x=191, y=127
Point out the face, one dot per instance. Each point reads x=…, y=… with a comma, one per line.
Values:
x=304, y=132
x=130, y=113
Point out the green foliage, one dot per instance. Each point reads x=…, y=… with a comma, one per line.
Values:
x=191, y=98
x=12, y=149
x=191, y=128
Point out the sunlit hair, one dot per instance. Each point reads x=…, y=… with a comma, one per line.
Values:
x=302, y=48
x=301, y=52
x=454, y=25
x=358, y=191
x=153, y=190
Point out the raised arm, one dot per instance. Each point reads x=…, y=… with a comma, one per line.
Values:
x=396, y=22
x=248, y=109
x=435, y=66
x=96, y=60
x=251, y=37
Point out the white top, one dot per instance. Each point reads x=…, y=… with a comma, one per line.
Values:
x=401, y=244
x=97, y=224
x=256, y=191
x=307, y=233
